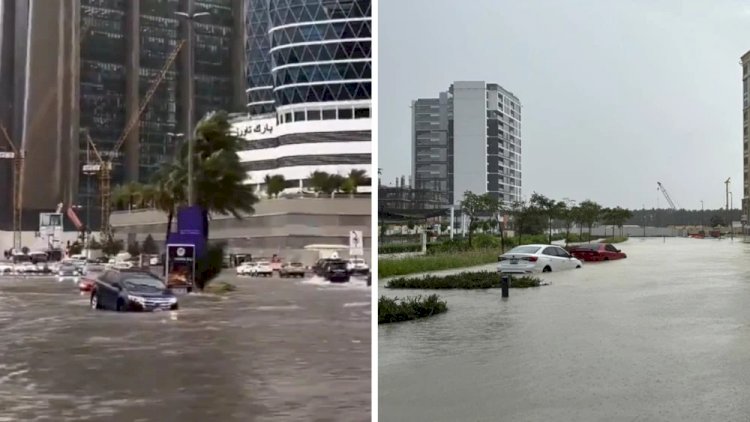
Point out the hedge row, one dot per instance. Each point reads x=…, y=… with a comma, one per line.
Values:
x=410, y=308
x=466, y=280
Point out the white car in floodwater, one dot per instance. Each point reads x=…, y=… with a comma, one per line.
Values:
x=529, y=259
x=246, y=268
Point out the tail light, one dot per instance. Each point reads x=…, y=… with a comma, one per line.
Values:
x=530, y=258
x=501, y=259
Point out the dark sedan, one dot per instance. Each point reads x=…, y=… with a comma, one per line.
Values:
x=336, y=271
x=132, y=290
x=597, y=252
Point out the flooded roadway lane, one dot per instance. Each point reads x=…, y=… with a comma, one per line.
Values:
x=661, y=336
x=274, y=350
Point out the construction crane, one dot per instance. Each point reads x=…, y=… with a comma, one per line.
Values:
x=104, y=166
x=17, y=155
x=663, y=190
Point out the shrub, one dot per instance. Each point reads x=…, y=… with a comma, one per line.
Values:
x=616, y=239
x=149, y=246
x=220, y=287
x=399, y=310
x=434, y=262
x=209, y=265
x=467, y=280
x=399, y=248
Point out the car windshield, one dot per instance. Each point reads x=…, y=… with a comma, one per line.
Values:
x=263, y=263
x=21, y=258
x=295, y=264
x=589, y=247
x=337, y=265
x=525, y=249
x=143, y=282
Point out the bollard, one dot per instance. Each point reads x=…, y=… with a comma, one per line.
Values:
x=505, y=284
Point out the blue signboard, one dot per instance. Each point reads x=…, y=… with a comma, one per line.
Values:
x=190, y=229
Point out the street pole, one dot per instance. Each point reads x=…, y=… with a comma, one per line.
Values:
x=189, y=17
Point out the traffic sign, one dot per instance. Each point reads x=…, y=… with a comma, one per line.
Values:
x=356, y=243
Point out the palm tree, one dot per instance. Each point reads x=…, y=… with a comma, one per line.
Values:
x=127, y=196
x=218, y=175
x=358, y=178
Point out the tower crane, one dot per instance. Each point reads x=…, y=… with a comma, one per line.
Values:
x=104, y=166
x=663, y=190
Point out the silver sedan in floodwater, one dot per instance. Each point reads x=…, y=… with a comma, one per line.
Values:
x=529, y=259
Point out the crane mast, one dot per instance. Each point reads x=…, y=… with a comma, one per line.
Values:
x=663, y=190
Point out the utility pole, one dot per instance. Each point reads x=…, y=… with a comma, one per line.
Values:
x=189, y=18
x=726, y=185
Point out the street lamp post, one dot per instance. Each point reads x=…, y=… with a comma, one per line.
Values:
x=189, y=17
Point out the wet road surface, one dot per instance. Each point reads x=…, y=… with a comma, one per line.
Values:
x=661, y=336
x=274, y=350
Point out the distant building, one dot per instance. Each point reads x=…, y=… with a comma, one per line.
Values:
x=404, y=201
x=468, y=138
x=67, y=65
x=309, y=70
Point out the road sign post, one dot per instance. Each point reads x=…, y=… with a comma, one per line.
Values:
x=356, y=243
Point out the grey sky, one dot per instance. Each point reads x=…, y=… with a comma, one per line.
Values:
x=616, y=95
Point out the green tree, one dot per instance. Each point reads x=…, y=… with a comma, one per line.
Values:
x=358, y=178
x=716, y=220
x=149, y=246
x=609, y=217
x=274, y=185
x=93, y=244
x=218, y=175
x=549, y=208
x=112, y=247
x=320, y=181
x=473, y=206
x=75, y=248
x=134, y=249
x=590, y=213
x=335, y=183
x=349, y=186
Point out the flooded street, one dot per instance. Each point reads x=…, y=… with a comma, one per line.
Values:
x=274, y=350
x=661, y=336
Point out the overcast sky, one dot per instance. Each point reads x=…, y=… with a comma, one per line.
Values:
x=616, y=95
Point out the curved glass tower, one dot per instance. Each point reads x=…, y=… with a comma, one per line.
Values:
x=320, y=59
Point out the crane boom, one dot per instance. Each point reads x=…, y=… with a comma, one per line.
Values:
x=666, y=195
x=105, y=167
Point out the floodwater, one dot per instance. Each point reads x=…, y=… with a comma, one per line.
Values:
x=274, y=350
x=661, y=336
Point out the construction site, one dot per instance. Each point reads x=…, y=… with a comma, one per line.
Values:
x=89, y=96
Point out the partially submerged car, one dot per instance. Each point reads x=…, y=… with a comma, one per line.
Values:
x=131, y=290
x=594, y=252
x=529, y=259
x=292, y=269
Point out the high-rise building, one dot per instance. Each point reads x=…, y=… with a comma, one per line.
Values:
x=37, y=66
x=309, y=66
x=745, y=60
x=69, y=65
x=468, y=139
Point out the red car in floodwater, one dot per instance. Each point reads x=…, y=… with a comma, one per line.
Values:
x=597, y=252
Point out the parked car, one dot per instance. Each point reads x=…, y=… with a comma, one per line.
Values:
x=357, y=266
x=246, y=268
x=68, y=273
x=6, y=268
x=87, y=282
x=292, y=269
x=528, y=259
x=335, y=271
x=597, y=252
x=263, y=268
x=131, y=290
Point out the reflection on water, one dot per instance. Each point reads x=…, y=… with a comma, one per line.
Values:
x=272, y=350
x=662, y=335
